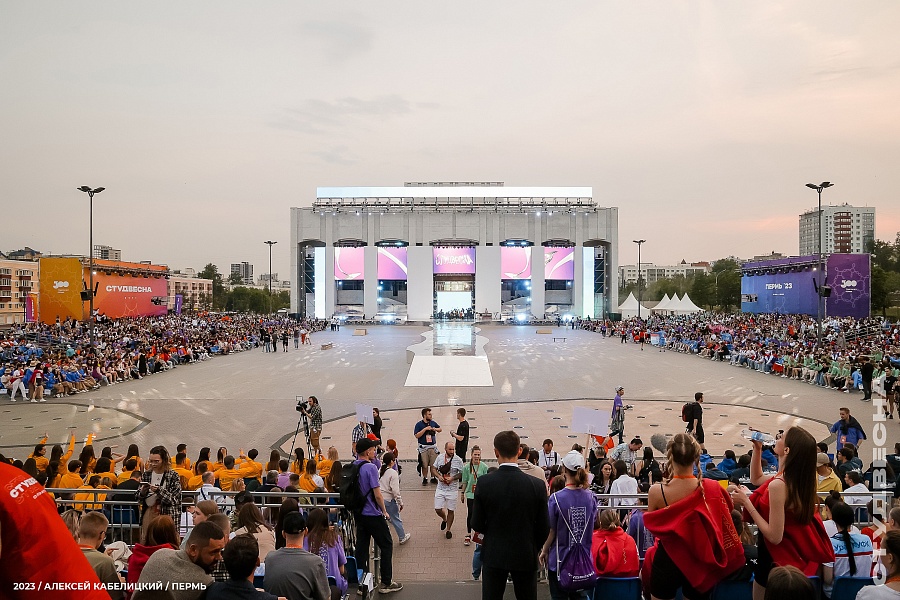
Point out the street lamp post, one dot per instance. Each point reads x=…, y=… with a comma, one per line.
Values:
x=270, y=243
x=819, y=298
x=90, y=192
x=639, y=242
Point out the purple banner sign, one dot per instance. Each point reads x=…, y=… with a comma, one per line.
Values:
x=392, y=263
x=349, y=263
x=515, y=263
x=559, y=263
x=179, y=303
x=29, y=308
x=454, y=260
x=850, y=278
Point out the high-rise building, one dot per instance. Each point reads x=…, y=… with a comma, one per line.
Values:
x=245, y=270
x=107, y=252
x=18, y=279
x=845, y=229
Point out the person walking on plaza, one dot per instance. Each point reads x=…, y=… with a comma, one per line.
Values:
x=572, y=512
x=427, y=441
x=390, y=490
x=695, y=420
x=284, y=340
x=848, y=430
x=448, y=470
x=372, y=518
x=617, y=416
x=462, y=434
x=472, y=470
x=510, y=510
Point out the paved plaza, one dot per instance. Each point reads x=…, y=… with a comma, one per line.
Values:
x=247, y=400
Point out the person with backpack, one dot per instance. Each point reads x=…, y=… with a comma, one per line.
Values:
x=360, y=493
x=567, y=552
x=692, y=414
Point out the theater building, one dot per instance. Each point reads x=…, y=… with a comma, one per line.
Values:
x=425, y=249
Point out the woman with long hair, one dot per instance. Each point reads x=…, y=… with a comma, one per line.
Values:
x=220, y=459
x=573, y=510
x=646, y=469
x=287, y=506
x=203, y=457
x=161, y=533
x=890, y=562
x=325, y=541
x=852, y=551
x=87, y=460
x=603, y=480
x=56, y=453
x=250, y=520
x=333, y=479
x=680, y=507
x=331, y=457
x=298, y=465
x=135, y=454
x=309, y=481
x=783, y=508
x=390, y=490
x=472, y=470
x=274, y=458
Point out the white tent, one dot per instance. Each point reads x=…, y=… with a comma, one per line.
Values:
x=685, y=306
x=629, y=308
x=663, y=304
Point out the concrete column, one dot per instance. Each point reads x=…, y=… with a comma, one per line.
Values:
x=370, y=285
x=420, y=283
x=487, y=279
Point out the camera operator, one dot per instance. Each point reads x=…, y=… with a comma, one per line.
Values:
x=313, y=412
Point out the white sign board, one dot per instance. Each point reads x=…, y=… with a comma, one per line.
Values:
x=364, y=414
x=588, y=420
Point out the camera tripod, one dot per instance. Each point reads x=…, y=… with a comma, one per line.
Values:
x=304, y=421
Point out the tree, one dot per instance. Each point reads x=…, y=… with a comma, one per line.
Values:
x=703, y=290
x=885, y=289
x=211, y=271
x=235, y=279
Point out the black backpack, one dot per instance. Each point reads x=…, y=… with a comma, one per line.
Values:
x=350, y=495
x=687, y=412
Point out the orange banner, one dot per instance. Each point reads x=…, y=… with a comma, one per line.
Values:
x=60, y=290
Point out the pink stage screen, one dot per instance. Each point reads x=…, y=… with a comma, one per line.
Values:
x=559, y=263
x=348, y=263
x=392, y=263
x=515, y=263
x=454, y=260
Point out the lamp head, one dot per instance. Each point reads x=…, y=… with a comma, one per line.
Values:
x=99, y=189
x=826, y=184
x=84, y=188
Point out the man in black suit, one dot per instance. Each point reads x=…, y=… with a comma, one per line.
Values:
x=510, y=510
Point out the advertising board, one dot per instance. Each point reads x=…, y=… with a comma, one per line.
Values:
x=392, y=263
x=454, y=260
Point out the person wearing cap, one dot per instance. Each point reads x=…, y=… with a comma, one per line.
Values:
x=826, y=479
x=293, y=572
x=572, y=511
x=617, y=416
x=372, y=519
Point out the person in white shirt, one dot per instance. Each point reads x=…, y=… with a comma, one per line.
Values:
x=447, y=468
x=547, y=457
x=623, y=484
x=854, y=480
x=208, y=491
x=852, y=551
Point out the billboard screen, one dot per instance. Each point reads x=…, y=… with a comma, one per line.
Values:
x=849, y=276
x=60, y=290
x=128, y=296
x=392, y=263
x=454, y=260
x=783, y=286
x=349, y=263
x=559, y=263
x=515, y=263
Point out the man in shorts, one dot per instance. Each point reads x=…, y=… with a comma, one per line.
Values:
x=448, y=470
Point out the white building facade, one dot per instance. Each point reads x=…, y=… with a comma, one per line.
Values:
x=845, y=230
x=423, y=248
x=650, y=272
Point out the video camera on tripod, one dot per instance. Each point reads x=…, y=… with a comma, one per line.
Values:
x=302, y=405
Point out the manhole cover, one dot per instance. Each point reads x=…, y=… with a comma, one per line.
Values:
x=641, y=417
x=511, y=411
x=573, y=436
x=518, y=427
x=550, y=410
x=741, y=423
x=514, y=418
x=717, y=434
x=653, y=425
x=474, y=437
x=668, y=409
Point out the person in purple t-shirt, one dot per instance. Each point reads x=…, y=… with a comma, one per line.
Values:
x=617, y=416
x=372, y=520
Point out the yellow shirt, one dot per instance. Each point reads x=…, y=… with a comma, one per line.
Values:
x=184, y=474
x=325, y=467
x=112, y=476
x=71, y=481
x=187, y=463
x=832, y=482
x=194, y=483
x=80, y=498
x=252, y=469
x=124, y=476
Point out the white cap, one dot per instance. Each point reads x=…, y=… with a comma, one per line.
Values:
x=573, y=460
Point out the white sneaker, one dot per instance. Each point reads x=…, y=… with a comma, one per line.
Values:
x=405, y=538
x=43, y=400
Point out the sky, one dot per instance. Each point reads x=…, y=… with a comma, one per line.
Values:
x=206, y=121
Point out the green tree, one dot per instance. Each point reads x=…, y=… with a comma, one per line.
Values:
x=235, y=279
x=885, y=289
x=219, y=299
x=703, y=290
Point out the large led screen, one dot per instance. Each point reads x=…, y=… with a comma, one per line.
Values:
x=773, y=292
x=348, y=263
x=849, y=276
x=60, y=289
x=119, y=296
x=392, y=263
x=454, y=260
x=515, y=263
x=559, y=263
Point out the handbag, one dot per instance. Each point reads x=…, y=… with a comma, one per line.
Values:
x=575, y=571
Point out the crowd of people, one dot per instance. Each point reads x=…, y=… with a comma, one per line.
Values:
x=55, y=360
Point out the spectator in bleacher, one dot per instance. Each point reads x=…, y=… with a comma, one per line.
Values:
x=855, y=485
x=623, y=484
x=748, y=542
x=626, y=452
x=91, y=533
x=283, y=473
x=161, y=533
x=293, y=572
x=634, y=524
x=288, y=505
x=826, y=478
x=189, y=565
x=615, y=553
x=790, y=583
x=87, y=460
x=331, y=458
x=324, y=540
x=250, y=521
x=890, y=590
x=203, y=458
x=852, y=551
x=309, y=480
x=241, y=557
x=133, y=452
x=528, y=467
x=160, y=492
x=274, y=459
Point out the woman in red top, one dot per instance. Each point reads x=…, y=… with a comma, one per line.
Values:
x=160, y=534
x=614, y=551
x=784, y=509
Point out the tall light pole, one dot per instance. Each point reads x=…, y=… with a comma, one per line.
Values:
x=639, y=242
x=90, y=192
x=270, y=243
x=819, y=298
